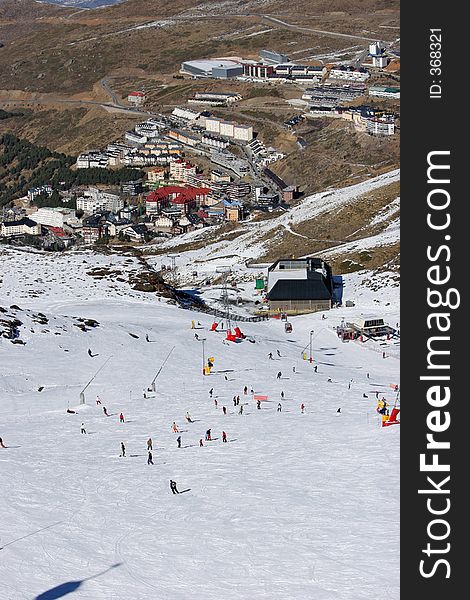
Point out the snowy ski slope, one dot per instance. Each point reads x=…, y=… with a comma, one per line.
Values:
x=294, y=507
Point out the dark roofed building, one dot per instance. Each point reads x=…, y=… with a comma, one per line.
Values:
x=298, y=286
x=20, y=227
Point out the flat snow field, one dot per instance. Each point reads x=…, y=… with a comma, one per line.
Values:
x=294, y=506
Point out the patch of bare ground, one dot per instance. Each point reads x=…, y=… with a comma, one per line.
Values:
x=379, y=259
x=351, y=221
x=336, y=155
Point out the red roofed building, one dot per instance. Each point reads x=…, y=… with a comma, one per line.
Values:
x=60, y=234
x=136, y=98
x=171, y=195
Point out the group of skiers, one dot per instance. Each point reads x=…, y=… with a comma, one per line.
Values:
x=208, y=434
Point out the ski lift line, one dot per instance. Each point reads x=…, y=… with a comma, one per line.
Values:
x=163, y=364
x=100, y=369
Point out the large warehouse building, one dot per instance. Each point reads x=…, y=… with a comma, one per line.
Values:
x=218, y=68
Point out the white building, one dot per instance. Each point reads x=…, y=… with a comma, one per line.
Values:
x=376, y=48
x=384, y=92
x=379, y=61
x=54, y=217
x=21, y=227
x=243, y=132
x=94, y=200
x=180, y=170
x=229, y=129
x=186, y=114
x=92, y=159
x=380, y=126
x=135, y=138
x=349, y=75
x=214, y=141
x=42, y=189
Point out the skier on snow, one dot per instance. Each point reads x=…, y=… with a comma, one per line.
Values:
x=82, y=428
x=123, y=449
x=121, y=418
x=149, y=444
x=224, y=436
x=173, y=487
x=150, y=459
x=178, y=439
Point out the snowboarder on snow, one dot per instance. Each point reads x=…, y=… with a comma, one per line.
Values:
x=215, y=402
x=82, y=428
x=121, y=418
x=339, y=410
x=245, y=390
x=241, y=409
x=196, y=336
x=282, y=395
x=316, y=368
x=150, y=459
x=224, y=409
x=208, y=435
x=365, y=396
x=123, y=449
x=238, y=400
x=105, y=411
x=224, y=436
x=178, y=439
x=98, y=400
x=188, y=418
x=279, y=375
x=278, y=353
x=258, y=404
x=173, y=487
x=200, y=443
x=149, y=444
x=2, y=445
x=211, y=391
x=293, y=369
x=302, y=408
x=270, y=356
x=175, y=428
x=279, y=407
